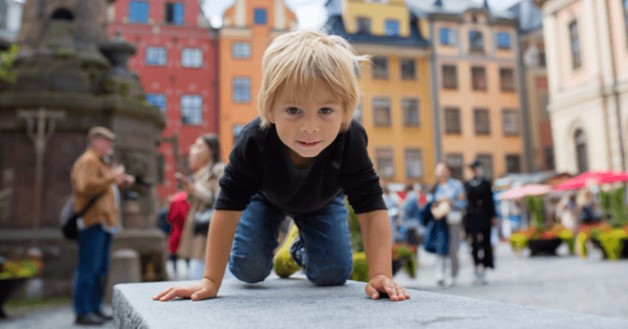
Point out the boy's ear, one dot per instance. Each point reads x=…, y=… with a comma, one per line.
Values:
x=271, y=117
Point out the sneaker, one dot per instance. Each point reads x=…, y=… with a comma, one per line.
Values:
x=89, y=319
x=104, y=316
x=284, y=262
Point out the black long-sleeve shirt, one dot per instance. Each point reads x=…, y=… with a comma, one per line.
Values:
x=260, y=163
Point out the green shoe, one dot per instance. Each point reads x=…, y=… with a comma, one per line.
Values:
x=284, y=264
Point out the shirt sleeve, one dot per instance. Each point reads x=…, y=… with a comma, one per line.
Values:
x=358, y=177
x=88, y=179
x=243, y=174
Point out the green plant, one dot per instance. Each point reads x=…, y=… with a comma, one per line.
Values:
x=518, y=241
x=612, y=241
x=354, y=229
x=360, y=267
x=15, y=269
x=581, y=242
x=613, y=204
x=536, y=207
x=7, y=59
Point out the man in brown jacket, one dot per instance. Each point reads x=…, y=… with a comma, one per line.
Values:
x=93, y=177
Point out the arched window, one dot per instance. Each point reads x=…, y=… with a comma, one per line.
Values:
x=581, y=151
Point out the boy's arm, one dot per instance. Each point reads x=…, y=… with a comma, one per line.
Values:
x=219, y=240
x=375, y=229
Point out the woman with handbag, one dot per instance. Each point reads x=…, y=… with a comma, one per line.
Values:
x=202, y=189
x=448, y=204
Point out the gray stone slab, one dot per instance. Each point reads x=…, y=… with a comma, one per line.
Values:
x=295, y=303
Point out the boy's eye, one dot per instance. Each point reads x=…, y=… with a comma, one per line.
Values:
x=326, y=110
x=293, y=110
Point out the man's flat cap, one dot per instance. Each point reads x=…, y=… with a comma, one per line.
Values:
x=101, y=132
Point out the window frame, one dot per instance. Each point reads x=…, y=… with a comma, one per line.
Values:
x=476, y=41
x=385, y=157
x=453, y=80
x=391, y=27
x=132, y=12
x=194, y=58
x=447, y=36
x=177, y=12
x=507, y=84
x=411, y=154
x=379, y=68
x=408, y=65
x=452, y=128
x=384, y=108
x=407, y=122
x=241, y=86
x=511, y=128
x=505, y=42
x=479, y=114
x=188, y=104
x=476, y=80
x=260, y=16
x=241, y=50
x=158, y=99
x=154, y=56
x=574, y=44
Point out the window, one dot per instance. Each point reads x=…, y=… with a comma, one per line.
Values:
x=158, y=100
x=574, y=38
x=191, y=109
x=408, y=69
x=237, y=129
x=384, y=161
x=410, y=108
x=581, y=151
x=156, y=56
x=3, y=14
x=380, y=67
x=381, y=112
x=414, y=163
x=363, y=24
x=487, y=165
x=175, y=13
x=450, y=77
x=478, y=78
x=192, y=57
x=391, y=27
x=549, y=158
x=476, y=41
x=503, y=40
x=447, y=36
x=241, y=50
x=511, y=122
x=513, y=163
x=456, y=164
x=452, y=121
x=481, y=122
x=507, y=79
x=260, y=16
x=138, y=12
x=242, y=90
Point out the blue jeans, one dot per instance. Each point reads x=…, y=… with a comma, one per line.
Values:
x=327, y=259
x=94, y=249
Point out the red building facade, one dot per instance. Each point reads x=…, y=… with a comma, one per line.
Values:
x=176, y=60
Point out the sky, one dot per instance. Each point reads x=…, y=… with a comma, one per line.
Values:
x=310, y=13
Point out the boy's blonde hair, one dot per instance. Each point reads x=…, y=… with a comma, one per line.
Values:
x=296, y=60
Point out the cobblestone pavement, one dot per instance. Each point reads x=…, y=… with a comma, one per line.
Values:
x=566, y=283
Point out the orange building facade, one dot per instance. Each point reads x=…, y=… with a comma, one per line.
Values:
x=395, y=109
x=248, y=28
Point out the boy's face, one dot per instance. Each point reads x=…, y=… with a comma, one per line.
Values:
x=307, y=123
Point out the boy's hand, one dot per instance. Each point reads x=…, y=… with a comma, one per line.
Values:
x=380, y=284
x=202, y=290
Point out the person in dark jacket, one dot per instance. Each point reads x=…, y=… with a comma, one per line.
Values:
x=478, y=221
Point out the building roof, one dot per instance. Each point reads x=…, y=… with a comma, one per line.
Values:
x=335, y=25
x=423, y=8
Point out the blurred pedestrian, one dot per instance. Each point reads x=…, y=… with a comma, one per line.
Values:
x=479, y=220
x=449, y=198
x=202, y=189
x=177, y=213
x=94, y=179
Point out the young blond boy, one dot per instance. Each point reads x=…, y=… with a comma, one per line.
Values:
x=299, y=158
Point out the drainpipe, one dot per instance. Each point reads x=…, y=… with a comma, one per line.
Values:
x=528, y=153
x=438, y=152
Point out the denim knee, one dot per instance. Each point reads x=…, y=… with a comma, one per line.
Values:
x=334, y=275
x=249, y=270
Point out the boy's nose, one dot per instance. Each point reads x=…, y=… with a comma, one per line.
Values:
x=309, y=126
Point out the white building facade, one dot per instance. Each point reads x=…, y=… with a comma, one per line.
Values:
x=586, y=44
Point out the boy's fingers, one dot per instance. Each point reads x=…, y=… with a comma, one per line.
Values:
x=371, y=291
x=163, y=293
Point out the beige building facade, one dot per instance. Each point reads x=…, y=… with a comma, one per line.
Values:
x=586, y=45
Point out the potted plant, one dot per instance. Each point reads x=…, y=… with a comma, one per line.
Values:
x=540, y=238
x=13, y=274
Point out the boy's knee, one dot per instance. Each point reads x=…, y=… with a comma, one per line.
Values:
x=248, y=270
x=330, y=275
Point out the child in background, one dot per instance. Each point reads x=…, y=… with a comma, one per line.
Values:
x=299, y=158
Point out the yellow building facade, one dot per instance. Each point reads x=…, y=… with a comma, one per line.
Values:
x=395, y=109
x=248, y=28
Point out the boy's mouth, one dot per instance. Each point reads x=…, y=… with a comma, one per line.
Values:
x=308, y=143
